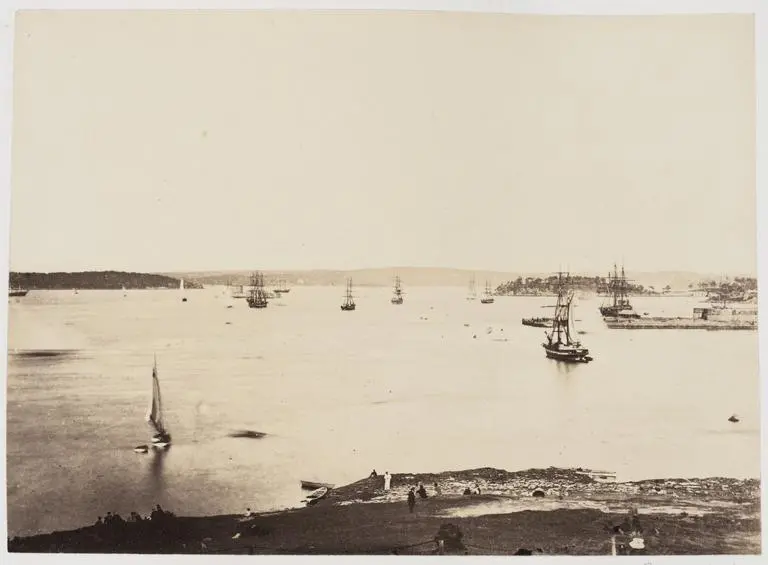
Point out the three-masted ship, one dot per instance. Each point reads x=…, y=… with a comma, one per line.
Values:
x=397, y=292
x=281, y=287
x=618, y=293
x=487, y=295
x=349, y=301
x=560, y=344
x=257, y=297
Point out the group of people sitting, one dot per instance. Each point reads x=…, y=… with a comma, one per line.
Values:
x=115, y=519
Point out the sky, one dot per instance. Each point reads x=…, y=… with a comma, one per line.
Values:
x=153, y=141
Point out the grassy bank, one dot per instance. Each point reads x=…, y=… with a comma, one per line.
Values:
x=571, y=514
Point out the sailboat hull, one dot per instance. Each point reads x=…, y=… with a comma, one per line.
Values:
x=347, y=307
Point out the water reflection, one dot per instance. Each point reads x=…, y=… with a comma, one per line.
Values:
x=155, y=475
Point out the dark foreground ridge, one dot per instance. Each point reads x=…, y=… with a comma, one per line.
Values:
x=547, y=511
x=95, y=280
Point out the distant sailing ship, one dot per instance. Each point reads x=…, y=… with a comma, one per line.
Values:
x=618, y=291
x=560, y=344
x=487, y=295
x=257, y=298
x=349, y=301
x=472, y=292
x=397, y=292
x=17, y=292
x=181, y=290
x=281, y=287
x=161, y=438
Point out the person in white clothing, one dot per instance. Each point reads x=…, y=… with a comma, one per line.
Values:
x=387, y=480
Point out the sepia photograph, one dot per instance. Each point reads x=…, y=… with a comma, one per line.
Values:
x=468, y=282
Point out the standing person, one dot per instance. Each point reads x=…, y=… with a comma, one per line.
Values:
x=411, y=499
x=438, y=490
x=387, y=480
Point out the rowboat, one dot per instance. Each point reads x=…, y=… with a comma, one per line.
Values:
x=312, y=485
x=316, y=495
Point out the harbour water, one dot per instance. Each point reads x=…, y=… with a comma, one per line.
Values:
x=434, y=384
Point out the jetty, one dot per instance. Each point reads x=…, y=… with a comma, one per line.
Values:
x=660, y=323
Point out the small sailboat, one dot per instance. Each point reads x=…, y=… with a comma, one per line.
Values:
x=397, y=292
x=560, y=344
x=349, y=301
x=125, y=292
x=472, y=292
x=487, y=295
x=161, y=438
x=257, y=298
x=181, y=290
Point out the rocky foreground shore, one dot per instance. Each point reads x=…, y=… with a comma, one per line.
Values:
x=540, y=511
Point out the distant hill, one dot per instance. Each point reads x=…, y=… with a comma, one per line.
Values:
x=426, y=276
x=96, y=280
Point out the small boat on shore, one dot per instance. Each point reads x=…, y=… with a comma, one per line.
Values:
x=315, y=496
x=314, y=485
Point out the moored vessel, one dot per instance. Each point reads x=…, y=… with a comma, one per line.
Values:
x=560, y=344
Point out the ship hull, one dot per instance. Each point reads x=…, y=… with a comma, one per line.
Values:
x=567, y=354
x=537, y=322
x=616, y=311
x=347, y=307
x=255, y=304
x=487, y=301
x=17, y=293
x=396, y=301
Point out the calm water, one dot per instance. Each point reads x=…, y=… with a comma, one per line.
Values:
x=340, y=393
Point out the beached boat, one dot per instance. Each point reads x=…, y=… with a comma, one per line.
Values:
x=560, y=344
x=161, y=438
x=257, y=298
x=618, y=293
x=487, y=295
x=314, y=485
x=397, y=292
x=315, y=496
x=349, y=301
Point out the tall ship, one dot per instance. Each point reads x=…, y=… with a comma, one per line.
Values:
x=281, y=287
x=349, y=301
x=487, y=295
x=618, y=304
x=257, y=297
x=397, y=292
x=560, y=344
x=472, y=295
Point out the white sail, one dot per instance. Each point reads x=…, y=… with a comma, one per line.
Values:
x=181, y=284
x=155, y=413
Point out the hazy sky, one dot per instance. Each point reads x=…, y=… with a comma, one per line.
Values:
x=193, y=141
